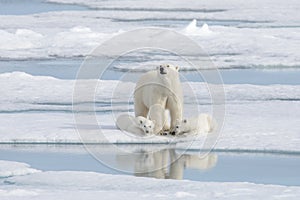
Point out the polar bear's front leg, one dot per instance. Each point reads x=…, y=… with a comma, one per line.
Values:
x=156, y=114
x=175, y=108
x=140, y=109
x=166, y=121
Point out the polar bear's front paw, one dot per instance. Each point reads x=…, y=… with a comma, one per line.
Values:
x=163, y=133
x=173, y=133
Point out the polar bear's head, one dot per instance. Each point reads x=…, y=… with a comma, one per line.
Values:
x=182, y=126
x=145, y=124
x=167, y=69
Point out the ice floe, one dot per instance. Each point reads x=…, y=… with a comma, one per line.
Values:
x=10, y=168
x=90, y=185
x=233, y=34
x=38, y=109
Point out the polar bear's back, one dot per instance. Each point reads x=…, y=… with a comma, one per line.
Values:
x=148, y=77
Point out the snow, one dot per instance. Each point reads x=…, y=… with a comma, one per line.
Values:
x=192, y=29
x=17, y=193
x=90, y=185
x=38, y=109
x=233, y=33
x=24, y=92
x=275, y=11
x=9, y=168
x=26, y=43
x=21, y=39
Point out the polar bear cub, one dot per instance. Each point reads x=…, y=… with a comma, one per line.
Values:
x=203, y=123
x=137, y=125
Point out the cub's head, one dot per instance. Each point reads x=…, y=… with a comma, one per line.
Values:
x=181, y=127
x=167, y=69
x=145, y=124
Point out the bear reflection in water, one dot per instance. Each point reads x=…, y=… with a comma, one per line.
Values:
x=166, y=163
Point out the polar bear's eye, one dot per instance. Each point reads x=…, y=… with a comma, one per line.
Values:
x=149, y=126
x=145, y=126
x=168, y=65
x=177, y=126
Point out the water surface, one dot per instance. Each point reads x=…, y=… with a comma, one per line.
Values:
x=26, y=7
x=68, y=68
x=162, y=162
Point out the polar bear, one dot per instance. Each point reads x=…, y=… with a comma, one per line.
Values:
x=159, y=115
x=202, y=123
x=137, y=125
x=163, y=87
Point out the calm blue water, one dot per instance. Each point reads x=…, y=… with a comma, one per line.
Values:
x=67, y=69
x=25, y=7
x=224, y=167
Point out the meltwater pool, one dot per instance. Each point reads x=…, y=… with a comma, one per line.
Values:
x=158, y=161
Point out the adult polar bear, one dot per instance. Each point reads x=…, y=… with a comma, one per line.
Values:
x=160, y=87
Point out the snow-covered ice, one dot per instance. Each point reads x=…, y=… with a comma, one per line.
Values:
x=234, y=34
x=39, y=109
x=274, y=12
x=24, y=92
x=227, y=46
x=193, y=29
x=9, y=168
x=90, y=185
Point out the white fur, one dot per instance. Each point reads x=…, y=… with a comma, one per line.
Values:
x=159, y=116
x=137, y=125
x=199, y=124
x=160, y=87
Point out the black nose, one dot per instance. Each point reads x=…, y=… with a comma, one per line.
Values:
x=161, y=69
x=147, y=131
x=173, y=133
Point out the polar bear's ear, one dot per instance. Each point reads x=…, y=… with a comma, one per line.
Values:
x=177, y=68
x=184, y=121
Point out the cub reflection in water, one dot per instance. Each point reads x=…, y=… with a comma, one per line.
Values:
x=166, y=163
